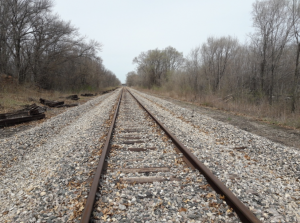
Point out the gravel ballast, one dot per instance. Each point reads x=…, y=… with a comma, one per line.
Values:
x=263, y=174
x=45, y=171
x=177, y=194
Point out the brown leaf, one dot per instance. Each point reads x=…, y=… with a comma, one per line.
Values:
x=247, y=157
x=213, y=204
x=105, y=211
x=182, y=209
x=210, y=195
x=186, y=170
x=229, y=211
x=104, y=217
x=204, y=186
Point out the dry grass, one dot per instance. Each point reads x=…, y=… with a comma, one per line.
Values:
x=14, y=96
x=277, y=114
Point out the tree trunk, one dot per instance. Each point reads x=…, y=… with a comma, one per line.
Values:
x=296, y=79
x=271, y=86
x=20, y=74
x=262, y=67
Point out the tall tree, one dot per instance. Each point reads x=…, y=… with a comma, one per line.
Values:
x=157, y=65
x=273, y=25
x=295, y=11
x=20, y=27
x=217, y=54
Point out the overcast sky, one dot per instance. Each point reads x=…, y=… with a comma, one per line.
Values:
x=128, y=27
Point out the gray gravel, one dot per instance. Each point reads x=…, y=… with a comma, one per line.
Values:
x=265, y=175
x=45, y=170
x=190, y=199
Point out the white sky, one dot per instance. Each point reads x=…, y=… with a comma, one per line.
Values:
x=128, y=27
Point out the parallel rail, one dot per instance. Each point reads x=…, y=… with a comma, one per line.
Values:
x=92, y=194
x=242, y=211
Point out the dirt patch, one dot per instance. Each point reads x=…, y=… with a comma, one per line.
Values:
x=285, y=136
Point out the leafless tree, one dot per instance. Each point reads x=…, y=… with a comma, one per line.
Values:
x=157, y=65
x=217, y=54
x=4, y=25
x=294, y=9
x=273, y=25
x=132, y=79
x=193, y=67
x=22, y=16
x=36, y=46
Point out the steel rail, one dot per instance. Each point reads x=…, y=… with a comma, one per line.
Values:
x=86, y=214
x=242, y=211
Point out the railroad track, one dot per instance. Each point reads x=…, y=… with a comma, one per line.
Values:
x=146, y=174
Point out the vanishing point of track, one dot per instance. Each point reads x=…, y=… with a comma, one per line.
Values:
x=160, y=171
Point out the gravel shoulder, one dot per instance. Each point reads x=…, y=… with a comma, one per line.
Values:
x=50, y=113
x=283, y=135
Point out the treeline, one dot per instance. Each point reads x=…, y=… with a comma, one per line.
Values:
x=37, y=46
x=263, y=70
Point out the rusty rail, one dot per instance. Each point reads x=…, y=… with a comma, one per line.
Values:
x=86, y=214
x=242, y=211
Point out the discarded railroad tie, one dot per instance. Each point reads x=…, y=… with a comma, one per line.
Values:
x=87, y=95
x=73, y=97
x=30, y=113
x=51, y=103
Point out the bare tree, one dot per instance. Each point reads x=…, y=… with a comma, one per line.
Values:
x=193, y=65
x=273, y=26
x=22, y=16
x=38, y=47
x=48, y=30
x=295, y=11
x=132, y=78
x=216, y=55
x=155, y=66
x=4, y=26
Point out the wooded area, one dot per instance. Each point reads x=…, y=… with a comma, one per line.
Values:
x=265, y=70
x=36, y=46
